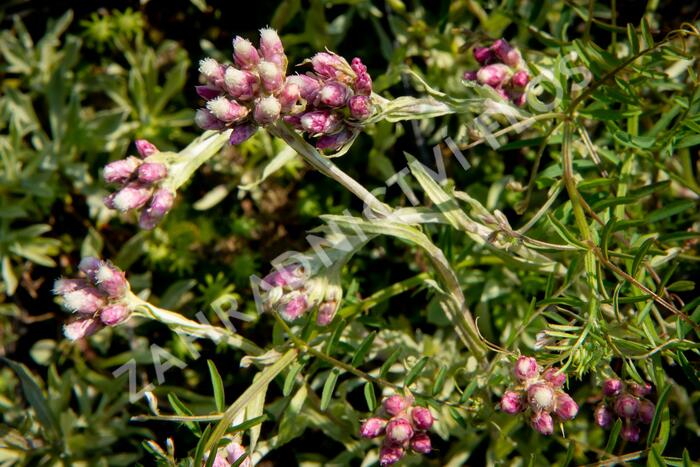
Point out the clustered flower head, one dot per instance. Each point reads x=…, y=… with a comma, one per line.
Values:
x=97, y=300
x=329, y=104
x=403, y=425
x=503, y=69
x=291, y=292
x=626, y=401
x=140, y=186
x=539, y=393
x=229, y=456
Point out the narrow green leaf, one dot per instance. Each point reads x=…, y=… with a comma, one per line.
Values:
x=633, y=39
x=654, y=459
x=329, y=388
x=614, y=433
x=639, y=257
x=439, y=380
x=199, y=450
x=415, y=371
x=335, y=337
x=389, y=362
x=671, y=209
x=362, y=350
x=291, y=377
x=661, y=412
x=218, y=385
x=181, y=409
x=370, y=397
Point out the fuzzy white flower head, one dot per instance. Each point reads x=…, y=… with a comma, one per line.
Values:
x=234, y=77
x=220, y=107
x=209, y=67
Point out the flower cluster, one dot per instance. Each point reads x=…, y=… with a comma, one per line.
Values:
x=98, y=300
x=329, y=104
x=291, y=292
x=628, y=402
x=503, y=69
x=229, y=456
x=541, y=393
x=140, y=185
x=403, y=426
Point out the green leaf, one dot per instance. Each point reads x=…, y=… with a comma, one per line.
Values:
x=386, y=366
x=218, y=385
x=439, y=380
x=199, y=450
x=181, y=409
x=660, y=415
x=639, y=257
x=614, y=433
x=654, y=459
x=34, y=395
x=633, y=39
x=671, y=209
x=291, y=377
x=415, y=371
x=362, y=350
x=329, y=388
x=370, y=397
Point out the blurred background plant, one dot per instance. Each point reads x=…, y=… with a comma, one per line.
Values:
x=79, y=81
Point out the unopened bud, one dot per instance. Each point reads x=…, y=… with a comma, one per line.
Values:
x=244, y=54
x=90, y=265
x=493, y=75
x=212, y=70
x=525, y=368
x=334, y=94
x=543, y=423
x=151, y=172
x=640, y=390
x=554, y=377
x=81, y=328
x=241, y=84
x=111, y=280
x=630, y=432
x=566, y=407
x=294, y=308
x=161, y=203
x=326, y=313
x=398, y=431
x=506, y=53
x=469, y=76
x=372, y=427
x=646, y=411
x=132, y=196
x=267, y=110
x=393, y=405
x=363, y=81
x=145, y=148
x=603, y=416
x=389, y=455
x=207, y=121
x=612, y=387
x=330, y=65
x=85, y=301
x=120, y=171
x=271, y=46
x=520, y=79
x=64, y=286
x=227, y=111
x=320, y=122
x=360, y=107
x=308, y=87
x=512, y=402
x=207, y=92
x=421, y=443
x=114, y=314
x=627, y=406
x=483, y=55
x=289, y=97
x=271, y=76
x=422, y=418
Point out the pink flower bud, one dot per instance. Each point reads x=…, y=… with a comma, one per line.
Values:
x=90, y=265
x=207, y=121
x=114, y=314
x=120, y=171
x=294, y=308
x=360, y=107
x=151, y=172
x=627, y=406
x=320, y=122
x=271, y=75
x=267, y=110
x=540, y=396
x=525, y=368
x=483, y=55
x=603, y=416
x=326, y=312
x=289, y=97
x=270, y=45
x=308, y=87
x=506, y=53
x=330, y=65
x=145, y=148
x=542, y=422
x=235, y=451
x=291, y=277
x=64, y=286
x=393, y=405
x=554, y=377
x=612, y=387
x=111, y=280
x=493, y=75
x=227, y=111
x=640, y=390
x=242, y=133
x=334, y=141
x=207, y=92
x=646, y=411
x=512, y=402
x=334, y=94
x=469, y=76
x=520, y=79
x=398, y=431
x=293, y=120
x=518, y=98
x=390, y=455
x=161, y=203
x=363, y=81
x=244, y=54
x=630, y=433
x=422, y=418
x=85, y=301
x=212, y=70
x=372, y=427
x=567, y=408
x=81, y=328
x=242, y=85
x=421, y=443
x=132, y=196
